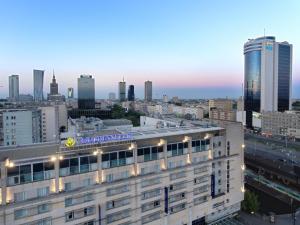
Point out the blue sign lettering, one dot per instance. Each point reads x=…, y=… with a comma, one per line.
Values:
x=105, y=138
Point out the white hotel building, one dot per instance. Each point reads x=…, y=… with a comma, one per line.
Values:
x=187, y=175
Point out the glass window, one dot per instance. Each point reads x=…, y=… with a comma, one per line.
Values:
x=122, y=155
x=105, y=157
x=64, y=163
x=84, y=160
x=113, y=156
x=140, y=152
x=48, y=166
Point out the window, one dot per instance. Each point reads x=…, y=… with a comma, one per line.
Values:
x=20, y=213
x=151, y=193
x=41, y=192
x=68, y=186
x=69, y=216
x=43, y=208
x=117, y=190
x=20, y=196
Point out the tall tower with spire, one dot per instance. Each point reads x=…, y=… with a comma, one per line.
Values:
x=53, y=86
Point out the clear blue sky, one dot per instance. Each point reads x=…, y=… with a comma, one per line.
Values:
x=192, y=49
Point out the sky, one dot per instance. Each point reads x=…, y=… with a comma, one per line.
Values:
x=190, y=49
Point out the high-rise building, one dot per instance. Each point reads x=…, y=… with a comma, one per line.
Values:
x=122, y=91
x=86, y=92
x=38, y=80
x=14, y=87
x=131, y=95
x=112, y=96
x=53, y=86
x=268, y=76
x=148, y=91
x=70, y=92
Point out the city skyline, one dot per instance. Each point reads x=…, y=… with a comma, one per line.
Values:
x=196, y=44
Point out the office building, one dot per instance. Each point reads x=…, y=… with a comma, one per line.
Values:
x=148, y=91
x=86, y=92
x=112, y=96
x=268, y=76
x=53, y=86
x=122, y=91
x=219, y=114
x=38, y=82
x=70, y=92
x=280, y=123
x=14, y=87
x=131, y=96
x=153, y=176
x=19, y=127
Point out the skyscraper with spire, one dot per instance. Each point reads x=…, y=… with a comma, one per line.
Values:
x=53, y=86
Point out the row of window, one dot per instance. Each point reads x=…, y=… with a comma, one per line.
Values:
x=26, y=212
x=114, y=159
x=77, y=214
x=149, y=153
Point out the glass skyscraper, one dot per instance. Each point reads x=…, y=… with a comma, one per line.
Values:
x=38, y=81
x=130, y=94
x=86, y=92
x=268, y=76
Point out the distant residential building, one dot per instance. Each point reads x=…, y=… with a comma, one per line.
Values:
x=112, y=96
x=38, y=82
x=268, y=76
x=224, y=104
x=86, y=92
x=122, y=91
x=220, y=114
x=19, y=127
x=49, y=124
x=131, y=96
x=175, y=100
x=240, y=104
x=189, y=112
x=280, y=123
x=70, y=93
x=148, y=91
x=25, y=98
x=165, y=98
x=14, y=87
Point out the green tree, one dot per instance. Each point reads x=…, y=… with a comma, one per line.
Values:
x=251, y=202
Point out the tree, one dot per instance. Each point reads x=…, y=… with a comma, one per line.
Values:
x=251, y=202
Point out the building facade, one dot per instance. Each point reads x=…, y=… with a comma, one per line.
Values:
x=268, y=76
x=280, y=123
x=13, y=87
x=131, y=96
x=49, y=123
x=53, y=86
x=175, y=176
x=19, y=127
x=148, y=91
x=70, y=92
x=86, y=92
x=38, y=82
x=122, y=91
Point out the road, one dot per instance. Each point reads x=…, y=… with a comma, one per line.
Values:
x=273, y=152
